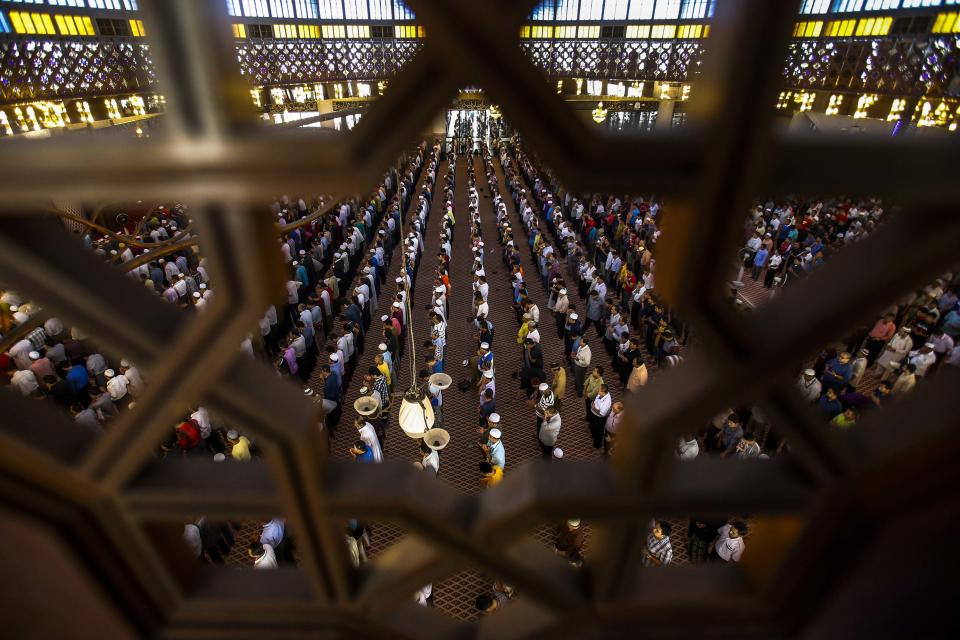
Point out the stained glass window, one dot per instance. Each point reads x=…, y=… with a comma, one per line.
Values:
x=694, y=9
x=381, y=10
x=401, y=11
x=544, y=10
x=667, y=10
x=641, y=9
x=567, y=9
x=331, y=9
x=591, y=9
x=615, y=10
x=356, y=10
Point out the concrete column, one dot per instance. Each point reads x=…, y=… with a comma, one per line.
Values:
x=664, y=115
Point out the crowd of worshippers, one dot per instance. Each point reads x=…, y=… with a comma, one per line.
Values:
x=874, y=365
x=793, y=238
x=179, y=277
x=63, y=366
x=594, y=258
x=359, y=270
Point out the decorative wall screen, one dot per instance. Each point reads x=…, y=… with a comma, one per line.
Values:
x=214, y=158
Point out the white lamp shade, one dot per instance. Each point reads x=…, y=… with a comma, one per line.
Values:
x=416, y=418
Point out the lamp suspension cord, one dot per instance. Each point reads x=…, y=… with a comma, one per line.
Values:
x=413, y=348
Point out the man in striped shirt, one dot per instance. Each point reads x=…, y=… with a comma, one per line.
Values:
x=658, y=550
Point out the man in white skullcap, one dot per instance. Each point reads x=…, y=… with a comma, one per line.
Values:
x=493, y=449
x=132, y=375
x=24, y=381
x=116, y=385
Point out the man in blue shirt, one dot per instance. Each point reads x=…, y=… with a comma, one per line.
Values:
x=331, y=393
x=829, y=404
x=837, y=372
x=361, y=452
x=759, y=260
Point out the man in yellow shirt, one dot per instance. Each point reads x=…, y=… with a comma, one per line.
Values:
x=239, y=446
x=383, y=368
x=490, y=474
x=524, y=329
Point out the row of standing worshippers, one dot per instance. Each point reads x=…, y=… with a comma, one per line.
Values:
x=481, y=364
x=342, y=350
x=603, y=415
x=607, y=263
x=438, y=312
x=380, y=380
x=543, y=396
x=311, y=315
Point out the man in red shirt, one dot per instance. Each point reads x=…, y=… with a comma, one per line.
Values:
x=881, y=333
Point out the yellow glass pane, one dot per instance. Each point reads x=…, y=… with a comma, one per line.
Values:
x=48, y=24
x=61, y=25
x=88, y=26
x=798, y=29
x=938, y=23
x=17, y=22
x=37, y=23
x=951, y=23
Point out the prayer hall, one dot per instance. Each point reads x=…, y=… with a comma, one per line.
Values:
x=474, y=319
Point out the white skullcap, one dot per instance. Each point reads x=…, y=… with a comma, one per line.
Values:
x=563, y=292
x=196, y=294
x=574, y=523
x=303, y=252
x=124, y=363
x=334, y=357
x=398, y=280
x=396, y=304
x=203, y=285
x=494, y=418
x=484, y=345
x=384, y=318
x=232, y=435
x=34, y=355
x=574, y=316
x=809, y=372
x=495, y=433
x=488, y=373
x=219, y=457
x=558, y=453
x=543, y=386
x=109, y=373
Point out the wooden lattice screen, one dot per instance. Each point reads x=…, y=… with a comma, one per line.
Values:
x=213, y=156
